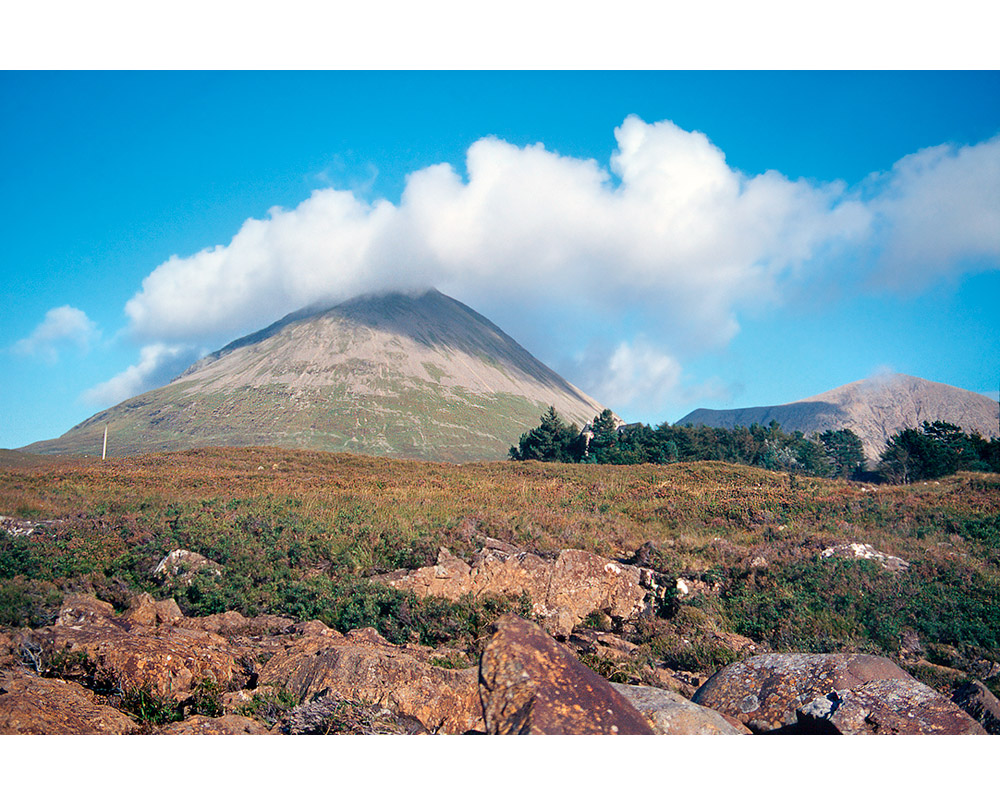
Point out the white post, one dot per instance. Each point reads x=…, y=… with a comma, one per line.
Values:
x=104, y=452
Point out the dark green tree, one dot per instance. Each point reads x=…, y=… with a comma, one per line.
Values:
x=552, y=440
x=603, y=445
x=844, y=451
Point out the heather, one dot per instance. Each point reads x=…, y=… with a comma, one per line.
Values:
x=305, y=534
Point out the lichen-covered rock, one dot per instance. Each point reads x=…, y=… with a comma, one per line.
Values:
x=976, y=700
x=563, y=591
x=222, y=725
x=888, y=707
x=672, y=714
x=363, y=666
x=181, y=566
x=31, y=705
x=530, y=684
x=793, y=691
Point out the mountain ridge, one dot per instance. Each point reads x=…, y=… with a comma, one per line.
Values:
x=874, y=408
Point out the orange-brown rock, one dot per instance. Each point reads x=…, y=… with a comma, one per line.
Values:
x=363, y=666
x=146, y=611
x=768, y=692
x=530, y=684
x=222, y=725
x=31, y=705
x=120, y=653
x=672, y=714
x=233, y=623
x=563, y=591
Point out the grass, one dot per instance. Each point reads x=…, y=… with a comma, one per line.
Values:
x=309, y=530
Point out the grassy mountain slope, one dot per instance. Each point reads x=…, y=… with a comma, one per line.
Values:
x=411, y=377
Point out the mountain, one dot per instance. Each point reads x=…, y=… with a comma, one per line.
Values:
x=874, y=409
x=394, y=375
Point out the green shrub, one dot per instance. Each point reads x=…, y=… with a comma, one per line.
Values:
x=150, y=708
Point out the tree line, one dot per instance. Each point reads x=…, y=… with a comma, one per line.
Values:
x=937, y=449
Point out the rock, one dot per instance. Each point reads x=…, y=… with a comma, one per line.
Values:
x=222, y=725
x=689, y=588
x=181, y=566
x=563, y=592
x=976, y=700
x=30, y=705
x=768, y=692
x=672, y=714
x=80, y=610
x=365, y=667
x=887, y=707
x=145, y=611
x=233, y=623
x=118, y=653
x=333, y=715
x=858, y=550
x=530, y=684
x=582, y=582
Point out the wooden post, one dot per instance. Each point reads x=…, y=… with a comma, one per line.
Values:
x=104, y=452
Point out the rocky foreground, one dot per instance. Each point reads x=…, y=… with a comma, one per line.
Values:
x=152, y=670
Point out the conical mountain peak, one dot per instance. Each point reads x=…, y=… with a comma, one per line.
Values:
x=411, y=375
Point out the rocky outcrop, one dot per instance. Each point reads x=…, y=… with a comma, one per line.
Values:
x=272, y=674
x=365, y=667
x=531, y=685
x=834, y=693
x=562, y=591
x=31, y=705
x=90, y=642
x=672, y=714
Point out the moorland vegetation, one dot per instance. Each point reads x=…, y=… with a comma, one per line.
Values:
x=304, y=534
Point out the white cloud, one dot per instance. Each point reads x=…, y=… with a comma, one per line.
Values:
x=61, y=326
x=938, y=212
x=640, y=376
x=158, y=364
x=669, y=237
x=672, y=228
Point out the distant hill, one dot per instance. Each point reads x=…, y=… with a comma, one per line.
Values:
x=394, y=375
x=874, y=409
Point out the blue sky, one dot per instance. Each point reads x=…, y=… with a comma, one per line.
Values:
x=666, y=240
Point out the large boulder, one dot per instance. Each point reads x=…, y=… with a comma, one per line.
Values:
x=563, y=591
x=672, y=714
x=530, y=684
x=845, y=693
x=31, y=705
x=362, y=666
x=887, y=707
